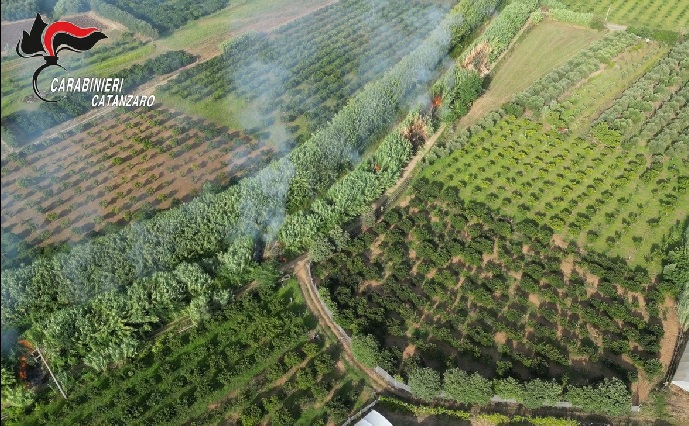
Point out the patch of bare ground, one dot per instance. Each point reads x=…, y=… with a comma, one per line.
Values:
x=678, y=405
x=534, y=299
x=559, y=241
x=409, y=351
x=375, y=247
x=501, y=338
x=567, y=266
x=369, y=285
x=492, y=257
x=404, y=201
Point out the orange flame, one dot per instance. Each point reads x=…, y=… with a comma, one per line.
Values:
x=437, y=101
x=22, y=361
x=376, y=168
x=26, y=344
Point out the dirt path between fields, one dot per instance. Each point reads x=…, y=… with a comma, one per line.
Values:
x=393, y=191
x=314, y=305
x=615, y=27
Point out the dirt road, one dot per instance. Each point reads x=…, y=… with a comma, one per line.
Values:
x=313, y=303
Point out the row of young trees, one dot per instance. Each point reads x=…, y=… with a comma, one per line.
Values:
x=22, y=126
x=489, y=418
x=559, y=11
x=550, y=87
x=111, y=11
x=608, y=397
x=348, y=197
x=309, y=69
x=164, y=16
x=501, y=31
x=642, y=103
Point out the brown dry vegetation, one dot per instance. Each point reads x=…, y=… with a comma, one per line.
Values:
x=138, y=161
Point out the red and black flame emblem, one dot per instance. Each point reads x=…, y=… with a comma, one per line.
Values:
x=48, y=40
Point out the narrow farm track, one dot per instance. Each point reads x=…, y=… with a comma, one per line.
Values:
x=313, y=303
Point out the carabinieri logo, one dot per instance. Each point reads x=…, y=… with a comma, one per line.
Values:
x=48, y=40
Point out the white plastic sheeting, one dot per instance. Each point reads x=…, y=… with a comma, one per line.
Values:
x=373, y=418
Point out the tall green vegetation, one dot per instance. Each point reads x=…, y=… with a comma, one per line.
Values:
x=162, y=16
x=462, y=83
x=467, y=388
x=130, y=21
x=366, y=350
x=676, y=271
x=425, y=383
x=252, y=360
x=609, y=397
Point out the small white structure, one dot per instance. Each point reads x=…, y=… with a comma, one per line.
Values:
x=373, y=418
x=681, y=377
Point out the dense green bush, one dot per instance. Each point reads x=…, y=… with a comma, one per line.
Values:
x=366, y=350
x=166, y=16
x=578, y=18
x=466, y=388
x=424, y=383
x=130, y=21
x=610, y=397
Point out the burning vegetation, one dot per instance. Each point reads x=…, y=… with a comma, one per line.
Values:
x=477, y=59
x=416, y=132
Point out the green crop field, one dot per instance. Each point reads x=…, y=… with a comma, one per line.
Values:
x=528, y=249
x=203, y=36
x=289, y=83
x=663, y=14
x=252, y=362
x=544, y=47
x=589, y=193
x=609, y=195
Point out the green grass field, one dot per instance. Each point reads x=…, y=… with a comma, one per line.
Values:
x=662, y=14
x=546, y=46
